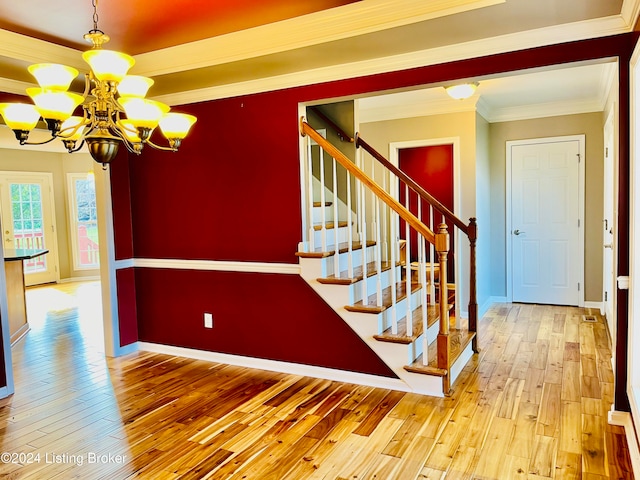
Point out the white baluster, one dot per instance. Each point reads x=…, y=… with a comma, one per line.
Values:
x=323, y=217
x=336, y=256
x=378, y=254
x=432, y=262
x=349, y=228
x=393, y=254
x=311, y=230
x=363, y=235
x=408, y=279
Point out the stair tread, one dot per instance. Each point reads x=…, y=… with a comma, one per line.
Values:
x=459, y=339
x=330, y=225
x=345, y=279
x=433, y=315
x=342, y=248
x=319, y=204
x=371, y=306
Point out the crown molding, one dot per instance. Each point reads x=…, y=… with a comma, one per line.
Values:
x=33, y=50
x=350, y=20
x=16, y=87
x=554, y=109
x=419, y=109
x=512, y=42
x=630, y=11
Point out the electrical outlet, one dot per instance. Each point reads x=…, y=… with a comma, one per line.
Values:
x=208, y=320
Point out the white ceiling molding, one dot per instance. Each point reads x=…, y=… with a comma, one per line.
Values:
x=32, y=50
x=326, y=26
x=418, y=109
x=13, y=86
x=554, y=109
x=630, y=11
x=478, y=48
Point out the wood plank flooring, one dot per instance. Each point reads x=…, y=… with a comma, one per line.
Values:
x=532, y=405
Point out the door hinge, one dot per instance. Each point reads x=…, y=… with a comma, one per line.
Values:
x=578, y=286
x=606, y=152
x=579, y=157
x=578, y=223
x=606, y=296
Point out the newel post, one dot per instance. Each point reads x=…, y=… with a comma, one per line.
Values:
x=472, y=232
x=443, y=343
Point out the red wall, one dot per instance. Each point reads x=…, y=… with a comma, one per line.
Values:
x=232, y=193
x=276, y=317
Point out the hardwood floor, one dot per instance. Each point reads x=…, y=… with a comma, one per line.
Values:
x=532, y=405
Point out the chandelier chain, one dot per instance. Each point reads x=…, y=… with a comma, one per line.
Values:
x=95, y=15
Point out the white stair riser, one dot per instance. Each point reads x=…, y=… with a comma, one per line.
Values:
x=330, y=233
x=328, y=263
x=386, y=319
x=317, y=215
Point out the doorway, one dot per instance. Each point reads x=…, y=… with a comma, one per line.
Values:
x=28, y=222
x=545, y=220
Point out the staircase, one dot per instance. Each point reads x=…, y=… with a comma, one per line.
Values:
x=391, y=291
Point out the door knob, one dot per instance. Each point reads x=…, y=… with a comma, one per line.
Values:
x=517, y=232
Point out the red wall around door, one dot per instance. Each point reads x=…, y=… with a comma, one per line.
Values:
x=432, y=168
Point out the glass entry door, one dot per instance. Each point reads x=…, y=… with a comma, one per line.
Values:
x=28, y=221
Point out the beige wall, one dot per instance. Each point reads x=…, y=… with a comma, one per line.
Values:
x=484, y=143
x=59, y=164
x=591, y=126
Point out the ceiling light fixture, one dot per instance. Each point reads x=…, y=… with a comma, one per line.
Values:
x=115, y=109
x=462, y=91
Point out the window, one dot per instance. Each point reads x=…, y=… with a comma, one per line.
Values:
x=83, y=221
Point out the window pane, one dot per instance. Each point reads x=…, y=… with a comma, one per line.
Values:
x=86, y=223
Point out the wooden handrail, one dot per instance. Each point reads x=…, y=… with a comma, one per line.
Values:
x=414, y=186
x=406, y=215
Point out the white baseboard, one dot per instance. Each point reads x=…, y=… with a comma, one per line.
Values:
x=89, y=278
x=278, y=366
x=127, y=349
x=623, y=419
x=598, y=305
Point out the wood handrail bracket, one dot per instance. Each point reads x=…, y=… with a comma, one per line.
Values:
x=406, y=215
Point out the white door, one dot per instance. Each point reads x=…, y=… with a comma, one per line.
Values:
x=545, y=222
x=607, y=225
x=26, y=208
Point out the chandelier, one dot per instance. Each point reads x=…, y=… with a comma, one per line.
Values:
x=115, y=110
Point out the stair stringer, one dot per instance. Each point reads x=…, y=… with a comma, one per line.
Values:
x=366, y=325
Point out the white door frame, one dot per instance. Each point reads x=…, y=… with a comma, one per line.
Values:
x=394, y=149
x=581, y=214
x=53, y=257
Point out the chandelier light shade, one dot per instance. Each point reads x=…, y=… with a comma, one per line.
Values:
x=20, y=117
x=462, y=91
x=114, y=108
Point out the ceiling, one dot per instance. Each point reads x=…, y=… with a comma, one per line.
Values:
x=205, y=49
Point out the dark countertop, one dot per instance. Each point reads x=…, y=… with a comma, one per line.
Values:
x=11, y=254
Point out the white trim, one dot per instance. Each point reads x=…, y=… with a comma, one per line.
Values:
x=394, y=148
x=448, y=53
x=88, y=278
x=596, y=305
x=108, y=267
x=45, y=180
x=624, y=419
x=212, y=265
x=330, y=25
x=123, y=264
x=279, y=366
x=72, y=203
x=581, y=208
